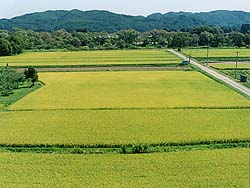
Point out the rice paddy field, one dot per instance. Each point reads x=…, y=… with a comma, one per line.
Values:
x=207, y=169
x=215, y=52
x=114, y=114
x=131, y=90
x=218, y=55
x=121, y=127
x=231, y=65
x=95, y=58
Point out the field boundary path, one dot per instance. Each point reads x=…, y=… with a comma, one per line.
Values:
x=106, y=68
x=215, y=74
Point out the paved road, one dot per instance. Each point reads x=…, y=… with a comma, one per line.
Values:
x=215, y=74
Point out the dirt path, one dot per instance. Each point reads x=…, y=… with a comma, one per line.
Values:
x=113, y=68
x=215, y=74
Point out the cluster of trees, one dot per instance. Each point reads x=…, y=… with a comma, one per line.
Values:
x=15, y=42
x=11, y=80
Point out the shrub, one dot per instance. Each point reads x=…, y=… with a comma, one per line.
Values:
x=140, y=148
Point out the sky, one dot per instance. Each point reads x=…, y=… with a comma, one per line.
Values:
x=12, y=8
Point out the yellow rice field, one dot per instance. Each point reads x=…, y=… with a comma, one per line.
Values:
x=231, y=65
x=112, y=127
x=154, y=89
x=205, y=169
x=111, y=57
x=217, y=52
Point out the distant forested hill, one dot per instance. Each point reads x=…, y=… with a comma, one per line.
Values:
x=110, y=22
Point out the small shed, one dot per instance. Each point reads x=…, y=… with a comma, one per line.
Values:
x=243, y=78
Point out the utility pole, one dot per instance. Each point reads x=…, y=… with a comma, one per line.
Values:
x=207, y=53
x=236, y=65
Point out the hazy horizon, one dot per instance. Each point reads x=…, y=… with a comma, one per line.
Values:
x=12, y=8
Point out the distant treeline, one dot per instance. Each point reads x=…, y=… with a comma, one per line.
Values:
x=19, y=40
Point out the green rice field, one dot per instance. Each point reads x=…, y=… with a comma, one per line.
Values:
x=122, y=129
x=217, y=52
x=218, y=55
x=116, y=127
x=131, y=90
x=82, y=58
x=231, y=65
x=207, y=169
x=126, y=108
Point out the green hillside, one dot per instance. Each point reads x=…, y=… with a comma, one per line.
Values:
x=110, y=22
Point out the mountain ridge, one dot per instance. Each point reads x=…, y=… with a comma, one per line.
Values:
x=102, y=20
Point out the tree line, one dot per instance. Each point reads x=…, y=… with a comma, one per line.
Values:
x=19, y=40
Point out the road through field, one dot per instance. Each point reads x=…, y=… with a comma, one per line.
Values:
x=215, y=74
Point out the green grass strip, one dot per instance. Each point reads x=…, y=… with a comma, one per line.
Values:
x=125, y=149
x=18, y=94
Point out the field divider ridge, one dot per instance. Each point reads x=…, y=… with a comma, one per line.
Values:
x=142, y=108
x=124, y=148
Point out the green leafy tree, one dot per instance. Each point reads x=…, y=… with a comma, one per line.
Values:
x=31, y=75
x=247, y=39
x=85, y=38
x=180, y=40
x=237, y=38
x=206, y=38
x=20, y=39
x=5, y=47
x=9, y=80
x=129, y=36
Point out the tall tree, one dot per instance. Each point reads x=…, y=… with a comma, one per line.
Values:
x=5, y=47
x=237, y=38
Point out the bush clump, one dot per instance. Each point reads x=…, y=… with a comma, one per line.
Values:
x=140, y=148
